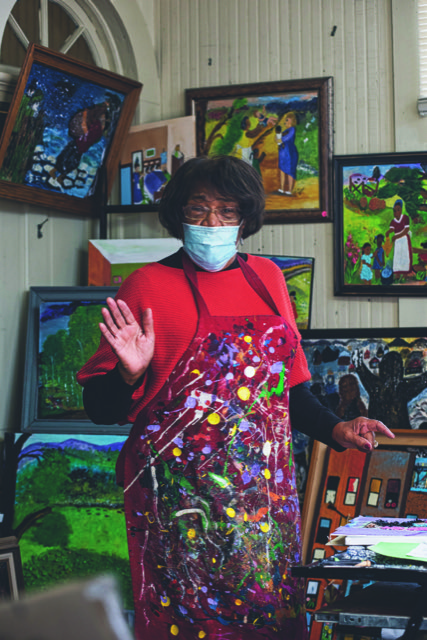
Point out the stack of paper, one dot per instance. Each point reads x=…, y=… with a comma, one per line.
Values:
x=365, y=530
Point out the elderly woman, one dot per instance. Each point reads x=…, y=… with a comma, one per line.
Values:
x=201, y=352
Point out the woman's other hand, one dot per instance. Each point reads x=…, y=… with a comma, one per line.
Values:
x=133, y=345
x=359, y=433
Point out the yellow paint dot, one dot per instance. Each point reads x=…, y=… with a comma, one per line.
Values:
x=285, y=413
x=245, y=517
x=267, y=474
x=177, y=452
x=243, y=393
x=191, y=533
x=230, y=512
x=247, y=339
x=202, y=634
x=238, y=602
x=213, y=560
x=213, y=418
x=264, y=527
x=284, y=576
x=174, y=630
x=165, y=601
x=196, y=371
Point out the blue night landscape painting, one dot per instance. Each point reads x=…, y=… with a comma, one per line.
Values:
x=62, y=132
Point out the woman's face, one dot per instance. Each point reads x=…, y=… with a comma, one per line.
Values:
x=207, y=208
x=288, y=122
x=397, y=210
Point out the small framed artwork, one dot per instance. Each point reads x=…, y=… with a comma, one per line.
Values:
x=299, y=274
x=11, y=577
x=380, y=227
x=65, y=127
x=283, y=129
x=378, y=373
x=62, y=333
x=156, y=151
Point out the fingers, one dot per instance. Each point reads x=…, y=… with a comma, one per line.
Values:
x=381, y=428
x=147, y=324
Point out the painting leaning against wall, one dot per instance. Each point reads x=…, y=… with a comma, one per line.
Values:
x=65, y=508
x=62, y=333
x=378, y=373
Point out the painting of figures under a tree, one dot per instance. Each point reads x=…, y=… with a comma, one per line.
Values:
x=381, y=241
x=283, y=130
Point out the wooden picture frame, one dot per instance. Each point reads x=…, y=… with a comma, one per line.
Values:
x=64, y=132
x=299, y=275
x=52, y=398
x=11, y=576
x=369, y=259
x=381, y=373
x=295, y=162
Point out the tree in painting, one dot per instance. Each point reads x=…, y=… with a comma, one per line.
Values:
x=69, y=335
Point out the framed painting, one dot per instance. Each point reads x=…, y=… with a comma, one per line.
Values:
x=62, y=333
x=380, y=227
x=66, y=509
x=283, y=129
x=379, y=373
x=11, y=577
x=160, y=148
x=299, y=274
x=64, y=132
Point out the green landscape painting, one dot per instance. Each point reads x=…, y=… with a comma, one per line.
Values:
x=68, y=510
x=68, y=336
x=298, y=273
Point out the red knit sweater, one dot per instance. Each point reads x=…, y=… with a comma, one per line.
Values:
x=166, y=290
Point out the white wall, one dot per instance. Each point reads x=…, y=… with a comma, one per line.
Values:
x=373, y=50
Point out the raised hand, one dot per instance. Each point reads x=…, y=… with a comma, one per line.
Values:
x=132, y=344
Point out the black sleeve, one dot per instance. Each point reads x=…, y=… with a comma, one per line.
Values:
x=107, y=398
x=309, y=416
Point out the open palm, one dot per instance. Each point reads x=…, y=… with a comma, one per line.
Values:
x=132, y=344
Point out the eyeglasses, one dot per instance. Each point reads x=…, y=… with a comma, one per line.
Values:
x=226, y=215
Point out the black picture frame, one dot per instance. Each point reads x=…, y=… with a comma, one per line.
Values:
x=368, y=259
x=396, y=395
x=311, y=101
x=52, y=401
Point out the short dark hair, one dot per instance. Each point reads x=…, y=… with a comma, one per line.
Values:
x=230, y=177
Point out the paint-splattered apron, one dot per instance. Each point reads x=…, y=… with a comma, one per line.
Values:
x=210, y=494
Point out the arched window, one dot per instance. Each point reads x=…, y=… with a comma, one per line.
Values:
x=46, y=22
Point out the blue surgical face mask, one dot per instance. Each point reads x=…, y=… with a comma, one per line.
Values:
x=210, y=247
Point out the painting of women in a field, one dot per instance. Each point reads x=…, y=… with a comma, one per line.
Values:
x=283, y=129
x=384, y=225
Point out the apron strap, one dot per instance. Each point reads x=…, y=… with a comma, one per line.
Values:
x=251, y=276
x=257, y=284
x=190, y=272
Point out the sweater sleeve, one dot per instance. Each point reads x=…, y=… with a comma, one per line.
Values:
x=309, y=416
x=107, y=399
